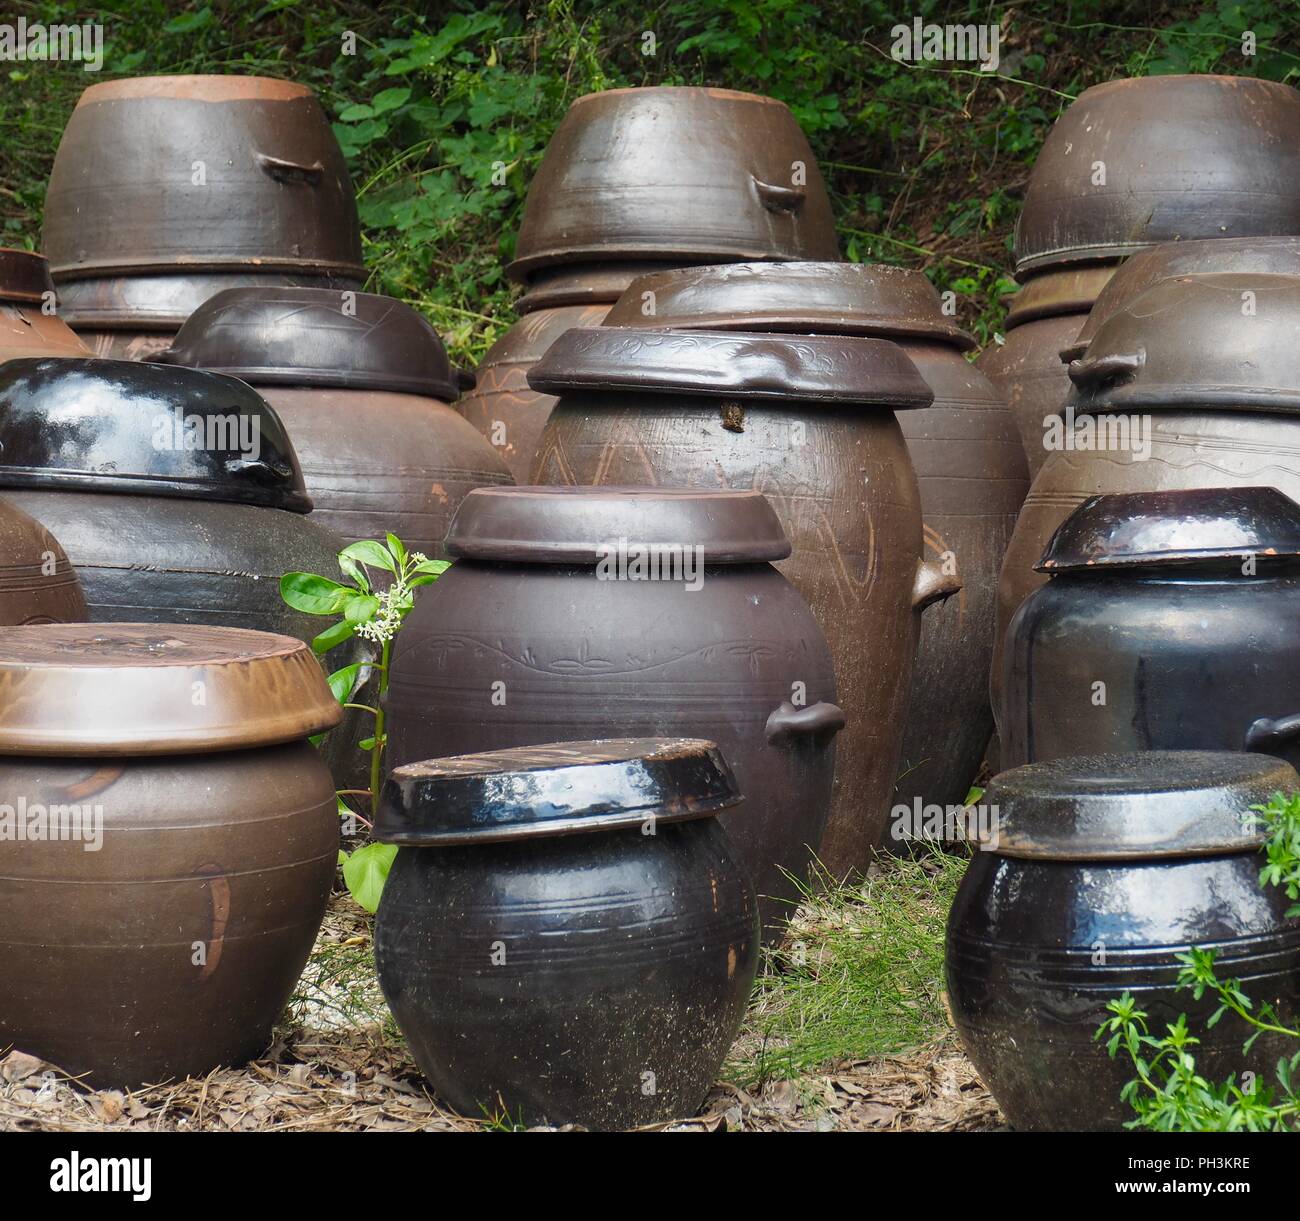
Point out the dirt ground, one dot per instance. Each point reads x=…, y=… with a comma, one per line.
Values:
x=339, y=1065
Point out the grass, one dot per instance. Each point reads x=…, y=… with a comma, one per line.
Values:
x=860, y=975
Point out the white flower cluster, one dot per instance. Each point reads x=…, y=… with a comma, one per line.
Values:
x=386, y=620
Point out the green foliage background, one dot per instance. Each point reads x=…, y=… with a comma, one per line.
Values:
x=926, y=163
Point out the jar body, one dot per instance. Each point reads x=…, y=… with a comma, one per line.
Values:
x=842, y=483
x=374, y=461
x=30, y=591
x=502, y=655
x=1106, y=664
x=1036, y=948
x=595, y=979
x=172, y=948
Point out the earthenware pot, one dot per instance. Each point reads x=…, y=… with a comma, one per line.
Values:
x=541, y=632
x=809, y=421
x=29, y=322
x=964, y=447
x=1105, y=869
x=37, y=584
x=362, y=383
x=160, y=933
x=617, y=963
x=1168, y=623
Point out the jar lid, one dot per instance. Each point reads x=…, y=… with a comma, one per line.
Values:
x=805, y=298
x=1060, y=290
x=1151, y=804
x=24, y=276
x=26, y=551
x=274, y=336
x=95, y=689
x=76, y=424
x=560, y=788
x=805, y=368
x=1225, y=341
x=585, y=525
x=1202, y=527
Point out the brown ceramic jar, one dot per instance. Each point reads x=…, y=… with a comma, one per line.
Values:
x=160, y=931
x=531, y=638
x=636, y=180
x=37, y=584
x=969, y=466
x=28, y=327
x=362, y=383
x=809, y=421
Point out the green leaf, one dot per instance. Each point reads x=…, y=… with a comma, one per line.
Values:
x=435, y=568
x=366, y=871
x=355, y=572
x=312, y=594
x=187, y=23
x=397, y=548
x=389, y=99
x=336, y=633
x=345, y=681
x=360, y=609
x=356, y=112
x=370, y=552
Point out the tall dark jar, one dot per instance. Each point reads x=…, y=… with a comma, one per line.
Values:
x=160, y=933
x=539, y=632
x=1171, y=621
x=1105, y=869
x=565, y=936
x=363, y=385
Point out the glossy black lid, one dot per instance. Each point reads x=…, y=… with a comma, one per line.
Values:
x=579, y=525
x=844, y=369
x=1161, y=803
x=274, y=336
x=556, y=789
x=1201, y=527
x=89, y=425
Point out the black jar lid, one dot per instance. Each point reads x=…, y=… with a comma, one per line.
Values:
x=1151, y=804
x=1185, y=527
x=579, y=525
x=278, y=336
x=840, y=369
x=74, y=424
x=559, y=788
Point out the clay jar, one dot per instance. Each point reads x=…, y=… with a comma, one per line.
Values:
x=539, y=632
x=26, y=294
x=964, y=447
x=139, y=235
x=160, y=932
x=1146, y=855
x=623, y=958
x=636, y=180
x=37, y=584
x=1129, y=164
x=1179, y=389
x=362, y=383
x=1168, y=623
x=808, y=421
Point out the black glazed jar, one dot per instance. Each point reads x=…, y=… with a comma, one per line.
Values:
x=565, y=936
x=1104, y=868
x=1171, y=622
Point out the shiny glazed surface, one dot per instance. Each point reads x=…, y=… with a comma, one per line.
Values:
x=30, y=590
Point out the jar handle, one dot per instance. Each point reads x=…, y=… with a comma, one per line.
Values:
x=1267, y=733
x=1094, y=372
x=258, y=469
x=289, y=172
x=779, y=199
x=789, y=722
x=932, y=584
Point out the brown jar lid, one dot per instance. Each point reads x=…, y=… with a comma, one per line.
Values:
x=803, y=298
x=24, y=276
x=561, y=788
x=577, y=525
x=26, y=550
x=1061, y=290
x=1216, y=341
x=96, y=689
x=1148, y=805
x=1198, y=527
x=843, y=369
x=280, y=336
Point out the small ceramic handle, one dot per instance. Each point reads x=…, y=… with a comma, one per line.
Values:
x=1097, y=371
x=466, y=379
x=289, y=171
x=779, y=199
x=258, y=469
x=932, y=584
x=789, y=722
x=1267, y=733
